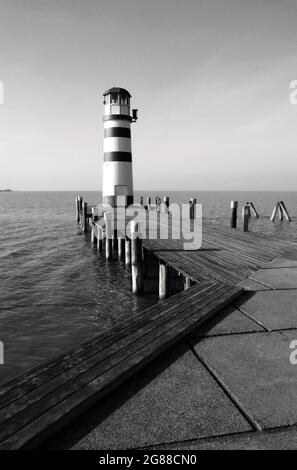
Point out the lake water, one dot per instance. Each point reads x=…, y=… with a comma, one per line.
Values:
x=55, y=291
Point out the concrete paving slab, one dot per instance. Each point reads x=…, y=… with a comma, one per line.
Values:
x=276, y=309
x=284, y=439
x=250, y=285
x=172, y=398
x=229, y=320
x=280, y=278
x=256, y=368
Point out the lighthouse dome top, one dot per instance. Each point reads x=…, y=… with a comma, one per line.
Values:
x=116, y=90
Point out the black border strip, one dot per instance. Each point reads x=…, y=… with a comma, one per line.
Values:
x=117, y=157
x=117, y=132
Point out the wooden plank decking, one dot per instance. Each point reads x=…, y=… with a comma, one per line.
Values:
x=38, y=404
x=42, y=401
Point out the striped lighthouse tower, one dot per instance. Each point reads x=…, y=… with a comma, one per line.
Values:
x=117, y=166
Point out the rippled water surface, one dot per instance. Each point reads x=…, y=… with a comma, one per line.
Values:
x=55, y=291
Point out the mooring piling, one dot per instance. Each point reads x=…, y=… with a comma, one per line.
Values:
x=77, y=209
x=158, y=204
x=93, y=237
x=108, y=235
x=84, y=217
x=149, y=202
x=274, y=212
x=233, y=214
x=285, y=212
x=136, y=258
x=114, y=241
x=144, y=261
x=253, y=210
x=249, y=208
x=127, y=251
x=99, y=239
x=282, y=211
x=121, y=246
x=245, y=216
x=141, y=200
x=192, y=208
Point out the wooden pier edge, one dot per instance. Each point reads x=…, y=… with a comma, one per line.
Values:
x=41, y=427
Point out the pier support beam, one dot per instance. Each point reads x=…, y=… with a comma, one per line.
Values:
x=100, y=240
x=192, y=208
x=253, y=210
x=233, y=214
x=108, y=236
x=144, y=261
x=274, y=212
x=136, y=259
x=84, y=217
x=284, y=210
x=127, y=251
x=163, y=280
x=121, y=246
x=115, y=241
x=93, y=236
x=245, y=216
x=77, y=208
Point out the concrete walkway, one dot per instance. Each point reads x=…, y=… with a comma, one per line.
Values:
x=230, y=385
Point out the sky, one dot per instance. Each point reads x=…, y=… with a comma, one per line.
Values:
x=210, y=79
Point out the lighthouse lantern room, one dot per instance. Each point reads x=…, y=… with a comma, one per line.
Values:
x=117, y=166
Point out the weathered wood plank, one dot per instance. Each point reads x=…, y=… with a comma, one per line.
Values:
x=139, y=355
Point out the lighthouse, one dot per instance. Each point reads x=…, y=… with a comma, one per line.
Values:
x=117, y=166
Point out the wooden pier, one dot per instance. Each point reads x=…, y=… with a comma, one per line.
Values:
x=44, y=400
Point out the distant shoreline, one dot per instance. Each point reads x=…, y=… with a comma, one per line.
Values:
x=5, y=190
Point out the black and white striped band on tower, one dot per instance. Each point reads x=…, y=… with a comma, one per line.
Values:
x=117, y=166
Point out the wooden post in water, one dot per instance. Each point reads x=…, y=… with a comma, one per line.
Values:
x=233, y=214
x=108, y=236
x=166, y=202
x=121, y=246
x=93, y=237
x=115, y=241
x=253, y=210
x=144, y=261
x=274, y=212
x=127, y=251
x=245, y=217
x=136, y=259
x=284, y=209
x=141, y=200
x=149, y=202
x=84, y=217
x=77, y=209
x=249, y=208
x=163, y=280
x=280, y=212
x=99, y=239
x=192, y=208
x=158, y=204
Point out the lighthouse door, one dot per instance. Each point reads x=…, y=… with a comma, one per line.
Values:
x=121, y=190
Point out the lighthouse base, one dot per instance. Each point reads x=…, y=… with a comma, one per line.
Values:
x=112, y=200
